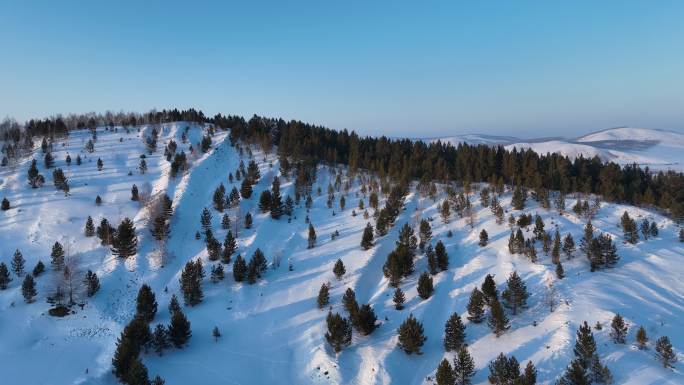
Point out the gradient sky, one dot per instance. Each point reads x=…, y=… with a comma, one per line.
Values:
x=414, y=68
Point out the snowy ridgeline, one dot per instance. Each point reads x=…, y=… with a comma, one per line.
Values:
x=273, y=331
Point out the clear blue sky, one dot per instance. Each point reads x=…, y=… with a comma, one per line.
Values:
x=415, y=68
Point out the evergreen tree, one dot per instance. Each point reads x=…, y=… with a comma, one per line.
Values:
x=248, y=221
x=146, y=303
x=398, y=299
x=587, y=237
x=365, y=320
x=100, y=165
x=179, y=330
x=681, y=235
x=174, y=306
x=484, y=238
x=160, y=339
x=105, y=232
x=425, y=233
x=157, y=381
x=349, y=302
x=445, y=374
x=89, y=230
x=142, y=166
x=28, y=288
x=504, y=371
x=442, y=256
x=92, y=283
x=125, y=243
x=312, y=237
x=425, y=288
x=277, y=207
x=5, y=277
x=367, y=238
x=288, y=208
x=411, y=337
x=464, y=367
x=246, y=189
x=431, y=260
x=35, y=179
x=191, y=282
x=664, y=352
x=619, y=329
x=539, y=231
x=339, y=331
x=489, y=289
x=519, y=197
x=38, y=269
x=160, y=228
x=585, y=346
x=555, y=251
x=229, y=247
x=18, y=263
x=137, y=374
x=529, y=376
x=339, y=269
x=49, y=160
x=515, y=296
x=653, y=229
x=323, y=296
x=57, y=256
x=239, y=269
x=641, y=338
x=225, y=222
x=265, y=201
x=217, y=273
x=560, y=273
x=134, y=193
x=497, y=321
x=5, y=204
x=575, y=374
x=476, y=305
x=205, y=219
x=216, y=333
x=218, y=198
x=98, y=200
x=568, y=245
x=445, y=211
x=454, y=333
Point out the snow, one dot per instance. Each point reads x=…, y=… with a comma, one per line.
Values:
x=272, y=331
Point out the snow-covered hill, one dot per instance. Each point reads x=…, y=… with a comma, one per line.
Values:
x=657, y=149
x=272, y=331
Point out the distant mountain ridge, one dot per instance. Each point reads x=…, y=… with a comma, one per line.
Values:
x=653, y=148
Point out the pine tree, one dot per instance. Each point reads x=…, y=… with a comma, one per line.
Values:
x=641, y=338
x=568, y=245
x=179, y=330
x=265, y=201
x=398, y=299
x=476, y=305
x=619, y=329
x=484, y=238
x=585, y=346
x=142, y=166
x=135, y=196
x=442, y=256
x=587, y=237
x=497, y=321
x=217, y=273
x=664, y=352
x=28, y=288
x=218, y=198
x=539, y=231
x=248, y=221
x=246, y=189
x=519, y=197
x=555, y=251
x=515, y=296
x=411, y=337
x=89, y=230
x=98, y=200
x=174, y=306
x=277, y=207
x=146, y=303
x=157, y=381
x=5, y=277
x=205, y=219
x=288, y=208
x=125, y=243
x=160, y=339
x=239, y=269
x=323, y=296
x=445, y=211
x=504, y=371
x=349, y=302
x=529, y=376
x=600, y=374
x=35, y=179
x=489, y=289
x=681, y=235
x=560, y=273
x=425, y=233
x=367, y=238
x=365, y=320
x=92, y=283
x=225, y=222
x=454, y=333
x=445, y=374
x=38, y=269
x=339, y=269
x=160, y=228
x=229, y=247
x=100, y=165
x=575, y=374
x=49, y=160
x=312, y=237
x=653, y=229
x=425, y=288
x=464, y=367
x=57, y=256
x=5, y=204
x=339, y=331
x=137, y=374
x=431, y=260
x=18, y=263
x=105, y=232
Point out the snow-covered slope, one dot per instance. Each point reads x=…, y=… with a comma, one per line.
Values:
x=273, y=333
